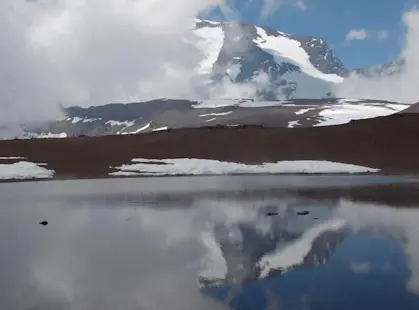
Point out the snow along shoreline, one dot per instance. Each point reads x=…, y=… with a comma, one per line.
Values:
x=193, y=166
x=24, y=170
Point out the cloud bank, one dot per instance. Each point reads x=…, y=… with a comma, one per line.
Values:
x=89, y=52
x=399, y=87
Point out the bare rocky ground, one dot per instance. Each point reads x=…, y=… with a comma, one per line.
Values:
x=387, y=143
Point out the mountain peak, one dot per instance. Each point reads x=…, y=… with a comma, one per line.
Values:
x=240, y=52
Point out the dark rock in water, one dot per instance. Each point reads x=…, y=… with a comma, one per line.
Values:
x=316, y=218
x=43, y=223
x=271, y=213
x=303, y=212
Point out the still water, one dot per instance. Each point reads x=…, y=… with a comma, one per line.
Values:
x=244, y=242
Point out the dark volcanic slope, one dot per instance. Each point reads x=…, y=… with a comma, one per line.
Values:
x=389, y=143
x=112, y=119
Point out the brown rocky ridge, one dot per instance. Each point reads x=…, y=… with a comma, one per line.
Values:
x=388, y=143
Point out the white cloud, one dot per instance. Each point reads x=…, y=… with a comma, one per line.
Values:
x=271, y=6
x=89, y=52
x=383, y=35
x=356, y=34
x=399, y=87
x=301, y=5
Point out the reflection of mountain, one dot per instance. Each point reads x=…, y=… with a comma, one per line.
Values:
x=276, y=244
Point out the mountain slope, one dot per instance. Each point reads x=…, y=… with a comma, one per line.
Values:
x=282, y=66
x=135, y=118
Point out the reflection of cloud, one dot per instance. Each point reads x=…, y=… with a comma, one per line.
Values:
x=89, y=258
x=400, y=224
x=94, y=256
x=360, y=267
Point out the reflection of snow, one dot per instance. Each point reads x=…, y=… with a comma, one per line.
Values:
x=294, y=253
x=193, y=166
x=213, y=264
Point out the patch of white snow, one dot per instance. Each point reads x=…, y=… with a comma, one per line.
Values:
x=24, y=170
x=293, y=124
x=283, y=47
x=210, y=43
x=193, y=166
x=161, y=129
x=338, y=114
x=216, y=114
x=138, y=130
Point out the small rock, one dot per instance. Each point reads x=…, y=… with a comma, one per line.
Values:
x=43, y=223
x=271, y=213
x=303, y=212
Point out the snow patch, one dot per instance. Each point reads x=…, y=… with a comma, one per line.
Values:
x=161, y=129
x=124, y=174
x=118, y=123
x=344, y=113
x=91, y=120
x=75, y=120
x=303, y=111
x=216, y=114
x=13, y=157
x=51, y=135
x=24, y=170
x=193, y=166
x=293, y=124
x=210, y=43
x=233, y=71
x=282, y=47
x=138, y=130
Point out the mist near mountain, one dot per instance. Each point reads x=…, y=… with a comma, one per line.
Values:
x=397, y=82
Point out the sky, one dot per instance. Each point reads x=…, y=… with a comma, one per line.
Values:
x=362, y=33
x=89, y=52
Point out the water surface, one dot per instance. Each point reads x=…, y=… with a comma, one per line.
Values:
x=244, y=242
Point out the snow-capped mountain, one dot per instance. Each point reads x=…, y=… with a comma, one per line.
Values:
x=156, y=115
x=281, y=65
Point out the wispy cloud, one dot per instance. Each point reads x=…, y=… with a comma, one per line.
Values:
x=271, y=6
x=356, y=34
x=383, y=35
x=301, y=5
